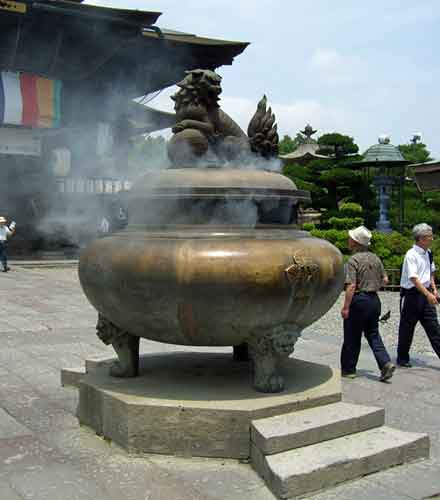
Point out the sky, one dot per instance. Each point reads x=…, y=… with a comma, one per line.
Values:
x=358, y=68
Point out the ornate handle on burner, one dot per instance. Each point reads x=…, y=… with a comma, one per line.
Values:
x=302, y=269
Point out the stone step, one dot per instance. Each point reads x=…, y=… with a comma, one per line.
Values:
x=44, y=264
x=94, y=363
x=71, y=377
x=303, y=428
x=294, y=473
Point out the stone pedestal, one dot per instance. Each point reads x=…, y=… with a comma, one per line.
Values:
x=195, y=404
x=202, y=404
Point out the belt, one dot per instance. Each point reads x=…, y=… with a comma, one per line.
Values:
x=414, y=290
x=367, y=293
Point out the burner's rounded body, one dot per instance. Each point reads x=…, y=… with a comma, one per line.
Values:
x=210, y=286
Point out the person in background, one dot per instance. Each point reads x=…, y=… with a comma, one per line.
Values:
x=419, y=295
x=365, y=275
x=104, y=226
x=5, y=233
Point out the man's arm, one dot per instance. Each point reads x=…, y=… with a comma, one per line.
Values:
x=350, y=286
x=434, y=286
x=385, y=279
x=433, y=269
x=349, y=292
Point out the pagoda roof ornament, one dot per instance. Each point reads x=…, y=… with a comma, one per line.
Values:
x=308, y=132
x=306, y=151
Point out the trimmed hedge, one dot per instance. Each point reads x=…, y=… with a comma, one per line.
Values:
x=345, y=222
x=350, y=209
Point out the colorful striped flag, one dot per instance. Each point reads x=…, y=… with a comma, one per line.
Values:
x=29, y=100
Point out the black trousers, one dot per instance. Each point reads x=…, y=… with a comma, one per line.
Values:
x=3, y=256
x=415, y=307
x=363, y=318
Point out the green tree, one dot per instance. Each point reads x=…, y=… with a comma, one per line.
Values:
x=333, y=180
x=415, y=152
x=288, y=145
x=337, y=144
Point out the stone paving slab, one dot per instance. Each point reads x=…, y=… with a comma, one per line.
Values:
x=7, y=493
x=10, y=427
x=59, y=327
x=25, y=453
x=363, y=489
x=54, y=482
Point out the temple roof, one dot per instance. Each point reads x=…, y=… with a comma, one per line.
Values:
x=383, y=153
x=306, y=151
x=70, y=41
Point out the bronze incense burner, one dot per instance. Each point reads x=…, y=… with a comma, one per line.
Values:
x=212, y=256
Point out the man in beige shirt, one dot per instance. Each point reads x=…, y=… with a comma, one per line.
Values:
x=365, y=276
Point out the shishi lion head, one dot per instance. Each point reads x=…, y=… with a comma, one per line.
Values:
x=200, y=87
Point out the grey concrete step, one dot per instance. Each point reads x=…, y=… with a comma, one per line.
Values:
x=44, y=264
x=71, y=377
x=297, y=472
x=306, y=427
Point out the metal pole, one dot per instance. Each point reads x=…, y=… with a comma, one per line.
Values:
x=401, y=199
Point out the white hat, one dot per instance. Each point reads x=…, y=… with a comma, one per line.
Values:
x=361, y=235
x=2, y=219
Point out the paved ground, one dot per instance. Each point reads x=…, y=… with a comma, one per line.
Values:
x=46, y=324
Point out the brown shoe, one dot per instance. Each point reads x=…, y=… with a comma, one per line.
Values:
x=387, y=372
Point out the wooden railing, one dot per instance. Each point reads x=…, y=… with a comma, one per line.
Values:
x=393, y=280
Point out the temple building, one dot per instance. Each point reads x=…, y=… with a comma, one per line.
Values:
x=73, y=79
x=427, y=175
x=306, y=151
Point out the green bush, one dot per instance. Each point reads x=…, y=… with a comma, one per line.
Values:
x=308, y=226
x=336, y=237
x=391, y=248
x=351, y=209
x=436, y=251
x=345, y=222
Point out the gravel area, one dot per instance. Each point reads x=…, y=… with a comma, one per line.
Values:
x=331, y=325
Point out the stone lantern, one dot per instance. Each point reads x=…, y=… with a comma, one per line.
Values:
x=387, y=158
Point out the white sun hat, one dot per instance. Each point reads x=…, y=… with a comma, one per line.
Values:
x=361, y=235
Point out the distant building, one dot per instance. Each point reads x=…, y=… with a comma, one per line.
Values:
x=427, y=175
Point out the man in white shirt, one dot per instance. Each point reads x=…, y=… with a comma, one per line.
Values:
x=104, y=226
x=5, y=233
x=419, y=295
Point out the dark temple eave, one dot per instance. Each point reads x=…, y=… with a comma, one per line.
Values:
x=73, y=42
